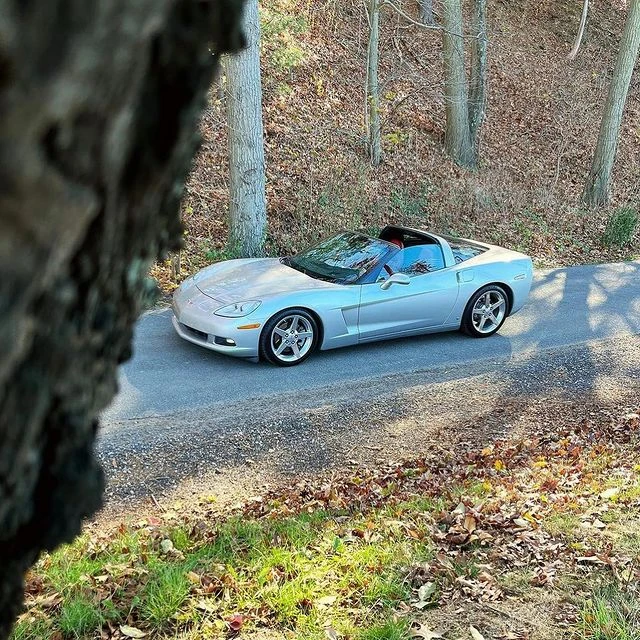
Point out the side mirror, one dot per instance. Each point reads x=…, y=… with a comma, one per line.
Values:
x=396, y=278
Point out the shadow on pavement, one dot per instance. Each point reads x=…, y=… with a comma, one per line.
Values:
x=358, y=396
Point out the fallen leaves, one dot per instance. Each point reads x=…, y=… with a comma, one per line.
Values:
x=166, y=546
x=326, y=601
x=426, y=595
x=235, y=622
x=480, y=514
x=423, y=631
x=475, y=634
x=131, y=632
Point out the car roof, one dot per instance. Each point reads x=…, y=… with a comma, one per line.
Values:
x=390, y=229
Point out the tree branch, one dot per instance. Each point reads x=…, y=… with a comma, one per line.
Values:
x=408, y=18
x=583, y=21
x=431, y=27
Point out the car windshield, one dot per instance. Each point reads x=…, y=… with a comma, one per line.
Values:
x=343, y=259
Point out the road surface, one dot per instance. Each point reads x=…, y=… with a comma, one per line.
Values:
x=569, y=306
x=189, y=422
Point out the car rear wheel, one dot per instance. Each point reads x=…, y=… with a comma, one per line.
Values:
x=289, y=337
x=486, y=312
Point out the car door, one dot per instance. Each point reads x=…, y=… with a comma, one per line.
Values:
x=402, y=309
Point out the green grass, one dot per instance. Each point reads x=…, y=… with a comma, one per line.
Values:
x=280, y=35
x=70, y=569
x=31, y=630
x=385, y=591
x=390, y=630
x=621, y=227
x=79, y=618
x=164, y=594
x=408, y=204
x=562, y=525
x=629, y=494
x=358, y=573
x=300, y=572
x=629, y=542
x=529, y=225
x=516, y=582
x=611, y=614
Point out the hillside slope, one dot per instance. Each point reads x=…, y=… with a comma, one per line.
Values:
x=542, y=123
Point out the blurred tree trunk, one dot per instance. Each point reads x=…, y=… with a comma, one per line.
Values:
x=99, y=104
x=596, y=190
x=458, y=141
x=247, y=204
x=426, y=12
x=374, y=133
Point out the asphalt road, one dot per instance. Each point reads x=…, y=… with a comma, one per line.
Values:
x=572, y=306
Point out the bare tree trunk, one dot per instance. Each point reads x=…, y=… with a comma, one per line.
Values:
x=596, y=190
x=457, y=136
x=374, y=134
x=478, y=83
x=99, y=104
x=426, y=12
x=247, y=205
x=176, y=265
x=578, y=41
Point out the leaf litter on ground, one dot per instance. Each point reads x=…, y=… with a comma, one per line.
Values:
x=554, y=511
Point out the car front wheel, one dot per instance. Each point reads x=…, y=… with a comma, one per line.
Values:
x=486, y=312
x=289, y=337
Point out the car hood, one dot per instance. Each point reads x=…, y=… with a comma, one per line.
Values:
x=253, y=279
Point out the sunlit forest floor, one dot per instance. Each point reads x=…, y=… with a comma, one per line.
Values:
x=542, y=123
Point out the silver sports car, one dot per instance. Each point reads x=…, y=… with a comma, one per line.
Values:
x=351, y=289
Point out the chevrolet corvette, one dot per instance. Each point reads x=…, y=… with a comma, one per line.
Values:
x=351, y=289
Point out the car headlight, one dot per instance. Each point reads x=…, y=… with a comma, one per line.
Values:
x=238, y=309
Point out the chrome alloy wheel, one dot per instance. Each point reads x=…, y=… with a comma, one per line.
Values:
x=489, y=311
x=292, y=338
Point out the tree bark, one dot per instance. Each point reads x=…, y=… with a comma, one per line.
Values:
x=247, y=203
x=596, y=191
x=458, y=134
x=374, y=129
x=478, y=82
x=426, y=12
x=99, y=103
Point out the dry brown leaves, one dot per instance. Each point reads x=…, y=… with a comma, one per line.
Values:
x=541, y=129
x=517, y=486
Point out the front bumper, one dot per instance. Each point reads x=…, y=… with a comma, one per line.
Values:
x=214, y=338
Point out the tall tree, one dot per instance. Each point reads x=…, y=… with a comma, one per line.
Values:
x=478, y=78
x=247, y=199
x=92, y=147
x=465, y=104
x=458, y=133
x=373, y=126
x=426, y=12
x=596, y=190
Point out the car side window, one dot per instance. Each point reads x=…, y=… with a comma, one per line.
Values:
x=414, y=261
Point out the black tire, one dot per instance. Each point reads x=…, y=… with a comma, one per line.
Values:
x=472, y=319
x=296, y=350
